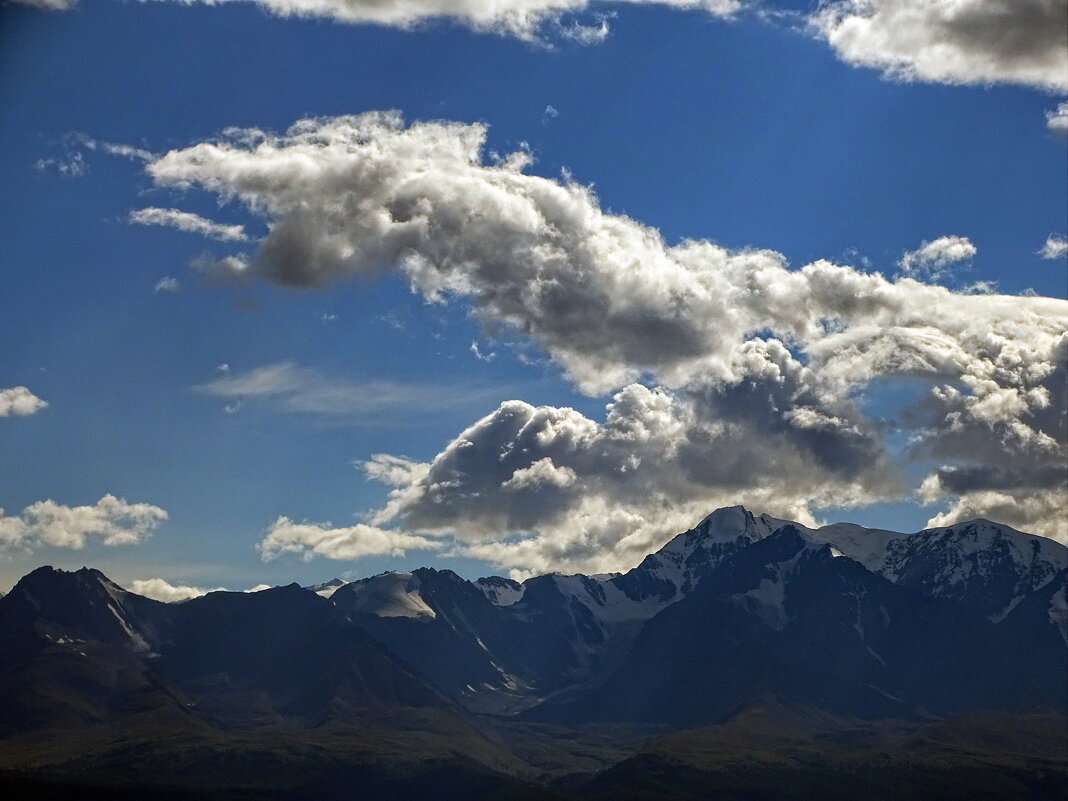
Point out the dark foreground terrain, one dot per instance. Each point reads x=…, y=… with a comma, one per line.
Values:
x=749, y=658
x=761, y=754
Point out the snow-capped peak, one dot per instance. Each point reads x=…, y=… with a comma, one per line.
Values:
x=328, y=588
x=675, y=569
x=392, y=594
x=500, y=591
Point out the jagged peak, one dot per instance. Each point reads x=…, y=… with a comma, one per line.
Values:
x=501, y=591
x=987, y=531
x=498, y=581
x=47, y=574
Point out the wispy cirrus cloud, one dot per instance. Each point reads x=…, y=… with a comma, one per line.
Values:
x=288, y=388
x=188, y=222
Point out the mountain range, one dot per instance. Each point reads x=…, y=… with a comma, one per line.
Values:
x=745, y=640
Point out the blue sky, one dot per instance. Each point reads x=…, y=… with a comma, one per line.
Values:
x=744, y=132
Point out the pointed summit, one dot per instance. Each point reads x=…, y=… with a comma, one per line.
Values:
x=85, y=604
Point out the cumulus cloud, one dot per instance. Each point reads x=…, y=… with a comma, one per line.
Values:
x=188, y=222
x=952, y=41
x=19, y=402
x=1057, y=120
x=111, y=520
x=733, y=377
x=1037, y=513
x=345, y=543
x=162, y=590
x=1056, y=247
x=933, y=260
x=525, y=19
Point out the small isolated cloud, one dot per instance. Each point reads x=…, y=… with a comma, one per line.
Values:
x=111, y=520
x=550, y=113
x=1056, y=247
x=482, y=357
x=345, y=543
x=188, y=222
x=19, y=402
x=168, y=284
x=326, y=318
x=162, y=590
x=1057, y=120
x=392, y=320
x=933, y=260
x=951, y=41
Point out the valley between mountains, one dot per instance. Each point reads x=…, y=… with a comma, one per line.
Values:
x=749, y=657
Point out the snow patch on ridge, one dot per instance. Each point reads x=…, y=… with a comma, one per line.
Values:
x=501, y=591
x=390, y=595
x=1058, y=612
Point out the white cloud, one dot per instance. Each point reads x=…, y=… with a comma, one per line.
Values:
x=71, y=165
x=162, y=590
x=188, y=222
x=1037, y=513
x=168, y=284
x=112, y=520
x=933, y=260
x=542, y=473
x=525, y=19
x=345, y=543
x=952, y=41
x=48, y=5
x=19, y=402
x=286, y=387
x=1057, y=120
x=1056, y=247
x=482, y=357
x=735, y=377
x=598, y=496
x=111, y=148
